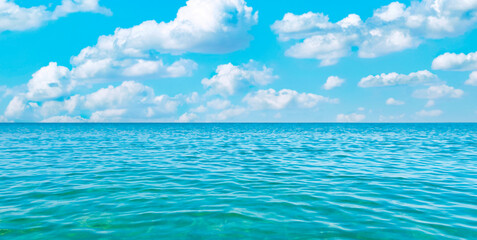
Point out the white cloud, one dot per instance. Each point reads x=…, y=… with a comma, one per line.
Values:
x=219, y=109
x=439, y=91
x=228, y=113
x=353, y=117
x=193, y=98
x=111, y=69
x=392, y=79
x=383, y=41
x=109, y=115
x=218, y=104
x=328, y=48
x=333, y=82
x=16, y=107
x=136, y=101
x=292, y=25
x=164, y=104
x=128, y=92
x=199, y=109
x=187, y=117
x=73, y=6
x=202, y=26
x=230, y=78
x=52, y=108
x=64, y=119
x=271, y=99
x=143, y=67
x=24, y=109
x=392, y=28
x=3, y=119
x=391, y=12
x=351, y=20
x=392, y=101
x=456, y=62
x=430, y=103
x=183, y=67
x=93, y=69
x=55, y=82
x=430, y=113
x=16, y=18
x=47, y=83
x=472, y=79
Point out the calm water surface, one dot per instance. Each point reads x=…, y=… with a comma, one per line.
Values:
x=238, y=181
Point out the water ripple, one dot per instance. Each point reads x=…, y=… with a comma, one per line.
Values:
x=238, y=181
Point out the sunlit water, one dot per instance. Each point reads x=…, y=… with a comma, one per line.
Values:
x=238, y=181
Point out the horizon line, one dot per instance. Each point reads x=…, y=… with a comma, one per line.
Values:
x=236, y=122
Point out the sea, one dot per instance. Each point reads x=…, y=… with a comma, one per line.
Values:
x=238, y=181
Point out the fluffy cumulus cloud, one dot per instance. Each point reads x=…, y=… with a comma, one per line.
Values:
x=253, y=104
x=48, y=83
x=392, y=79
x=392, y=28
x=218, y=104
x=130, y=101
x=15, y=108
x=429, y=113
x=49, y=92
x=333, y=82
x=120, y=96
x=137, y=100
x=353, y=117
x=187, y=117
x=439, y=91
x=202, y=26
x=298, y=26
x=50, y=96
x=472, y=79
x=112, y=69
x=392, y=101
x=230, y=78
x=72, y=6
x=108, y=115
x=126, y=69
x=328, y=48
x=276, y=100
x=456, y=62
x=16, y=18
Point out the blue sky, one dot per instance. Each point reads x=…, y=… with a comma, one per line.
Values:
x=238, y=61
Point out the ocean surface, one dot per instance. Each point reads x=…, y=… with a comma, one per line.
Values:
x=238, y=181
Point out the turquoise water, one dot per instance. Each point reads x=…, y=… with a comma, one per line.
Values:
x=238, y=181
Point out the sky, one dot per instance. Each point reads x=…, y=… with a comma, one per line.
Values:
x=238, y=61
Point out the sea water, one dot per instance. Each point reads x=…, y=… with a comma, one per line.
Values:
x=238, y=181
